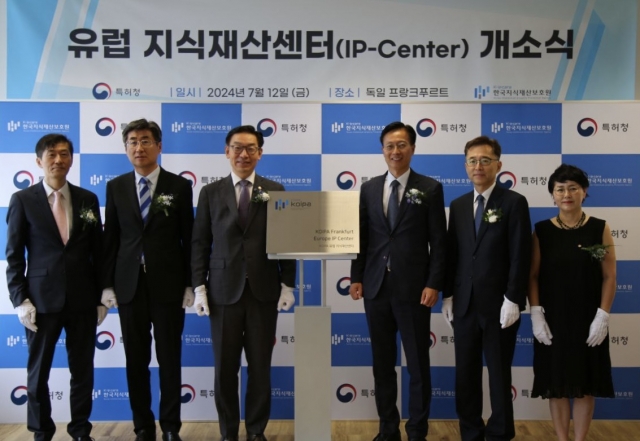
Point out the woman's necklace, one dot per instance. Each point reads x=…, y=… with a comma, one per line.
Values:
x=567, y=227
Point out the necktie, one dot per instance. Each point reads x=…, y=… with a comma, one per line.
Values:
x=243, y=203
x=60, y=215
x=479, y=212
x=145, y=199
x=392, y=206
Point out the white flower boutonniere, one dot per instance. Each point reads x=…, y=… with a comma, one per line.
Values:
x=492, y=215
x=415, y=196
x=597, y=251
x=88, y=217
x=163, y=202
x=260, y=196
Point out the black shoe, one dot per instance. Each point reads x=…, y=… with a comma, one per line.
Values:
x=83, y=438
x=145, y=435
x=388, y=437
x=256, y=437
x=171, y=436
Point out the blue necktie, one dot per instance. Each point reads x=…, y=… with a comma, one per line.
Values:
x=243, y=203
x=392, y=206
x=145, y=199
x=479, y=212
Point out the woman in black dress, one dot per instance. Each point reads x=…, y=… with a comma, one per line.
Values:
x=571, y=289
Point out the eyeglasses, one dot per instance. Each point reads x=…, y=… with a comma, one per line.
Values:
x=144, y=143
x=472, y=162
x=250, y=149
x=562, y=190
x=392, y=147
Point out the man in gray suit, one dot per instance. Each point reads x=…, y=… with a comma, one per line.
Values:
x=244, y=289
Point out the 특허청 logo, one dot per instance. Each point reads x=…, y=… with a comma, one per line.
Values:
x=267, y=127
x=426, y=127
x=101, y=91
x=19, y=395
x=105, y=340
x=346, y=180
x=189, y=176
x=506, y=180
x=343, y=286
x=346, y=393
x=514, y=393
x=23, y=179
x=187, y=394
x=432, y=338
x=587, y=127
x=105, y=126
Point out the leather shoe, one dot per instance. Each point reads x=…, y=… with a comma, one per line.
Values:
x=145, y=435
x=171, y=436
x=83, y=438
x=388, y=437
x=256, y=437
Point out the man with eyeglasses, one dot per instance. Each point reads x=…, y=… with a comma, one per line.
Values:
x=488, y=257
x=399, y=272
x=237, y=286
x=148, y=224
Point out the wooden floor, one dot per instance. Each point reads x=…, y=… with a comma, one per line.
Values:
x=341, y=431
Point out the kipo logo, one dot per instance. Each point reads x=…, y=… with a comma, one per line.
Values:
x=105, y=340
x=426, y=127
x=23, y=179
x=346, y=393
x=506, y=180
x=189, y=176
x=188, y=394
x=267, y=127
x=19, y=395
x=101, y=91
x=105, y=126
x=587, y=127
x=342, y=287
x=346, y=180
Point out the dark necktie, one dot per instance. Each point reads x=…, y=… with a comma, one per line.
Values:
x=243, y=203
x=479, y=212
x=145, y=199
x=392, y=206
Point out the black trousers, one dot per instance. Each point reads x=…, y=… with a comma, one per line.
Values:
x=80, y=329
x=167, y=319
x=386, y=315
x=248, y=324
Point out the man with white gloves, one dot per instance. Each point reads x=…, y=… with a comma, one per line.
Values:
x=237, y=286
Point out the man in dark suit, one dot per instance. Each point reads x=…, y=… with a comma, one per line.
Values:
x=238, y=285
x=399, y=272
x=148, y=223
x=58, y=286
x=488, y=255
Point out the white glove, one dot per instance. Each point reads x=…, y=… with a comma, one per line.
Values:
x=109, y=298
x=287, y=298
x=201, y=304
x=598, y=329
x=447, y=311
x=540, y=328
x=509, y=313
x=102, y=314
x=188, y=298
x=27, y=315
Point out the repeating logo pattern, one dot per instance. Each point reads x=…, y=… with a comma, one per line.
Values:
x=101, y=91
x=105, y=127
x=346, y=393
x=267, y=127
x=105, y=340
x=426, y=128
x=346, y=180
x=23, y=179
x=587, y=127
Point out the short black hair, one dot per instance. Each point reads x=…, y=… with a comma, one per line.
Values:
x=245, y=129
x=484, y=140
x=566, y=173
x=398, y=125
x=142, y=124
x=51, y=140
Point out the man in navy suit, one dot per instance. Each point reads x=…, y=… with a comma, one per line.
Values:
x=399, y=272
x=238, y=285
x=58, y=285
x=148, y=223
x=488, y=256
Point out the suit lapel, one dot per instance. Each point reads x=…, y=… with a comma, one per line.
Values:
x=131, y=193
x=377, y=193
x=404, y=205
x=229, y=196
x=162, y=187
x=43, y=202
x=76, y=207
x=495, y=200
x=253, y=207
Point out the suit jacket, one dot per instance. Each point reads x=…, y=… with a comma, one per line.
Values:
x=224, y=255
x=417, y=244
x=165, y=239
x=57, y=275
x=497, y=262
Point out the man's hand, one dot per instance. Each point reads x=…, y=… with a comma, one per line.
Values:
x=201, y=304
x=109, y=298
x=509, y=313
x=598, y=329
x=188, y=298
x=541, y=330
x=102, y=314
x=287, y=299
x=429, y=297
x=27, y=315
x=447, y=311
x=355, y=291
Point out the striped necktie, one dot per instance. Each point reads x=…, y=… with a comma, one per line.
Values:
x=145, y=199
